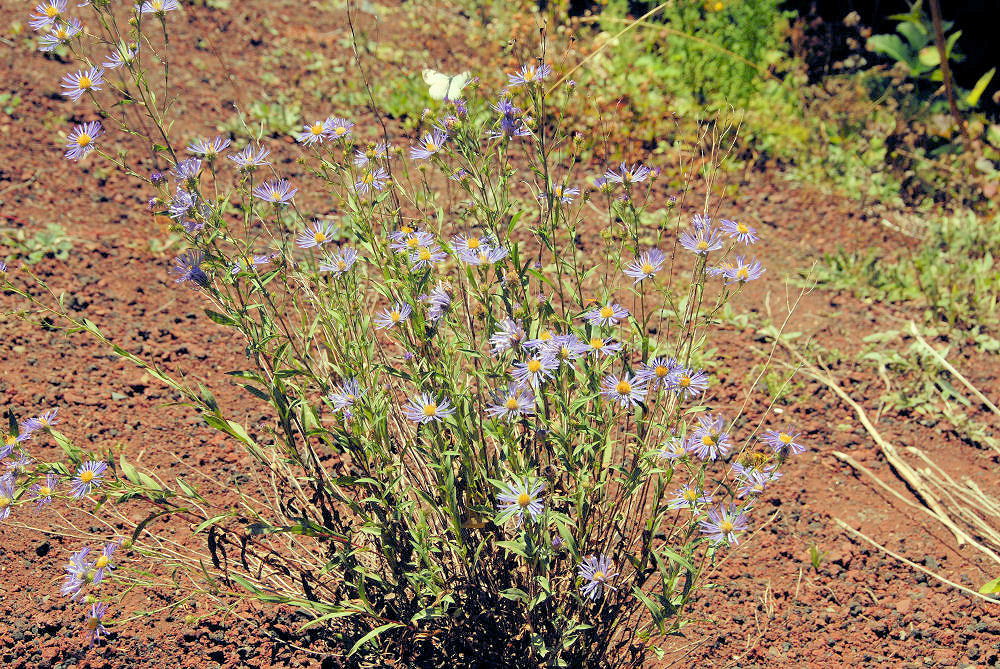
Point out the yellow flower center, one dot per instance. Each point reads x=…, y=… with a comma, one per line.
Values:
x=340, y=130
x=726, y=526
x=473, y=243
x=623, y=388
x=564, y=352
x=85, y=82
x=483, y=256
x=646, y=268
x=319, y=237
x=44, y=491
x=4, y=502
x=742, y=272
x=545, y=336
x=684, y=382
x=430, y=409
x=394, y=316
x=785, y=438
x=708, y=440
x=412, y=241
x=524, y=499
x=430, y=146
x=596, y=343
x=101, y=562
x=598, y=575
x=317, y=129
x=702, y=245
x=61, y=33
x=368, y=178
x=534, y=366
x=275, y=195
x=511, y=403
x=742, y=229
x=607, y=312
x=10, y=440
x=52, y=11
x=406, y=230
x=87, y=476
x=690, y=495
x=83, y=139
x=341, y=265
x=425, y=253
x=661, y=371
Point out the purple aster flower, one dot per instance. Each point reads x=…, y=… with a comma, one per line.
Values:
x=529, y=74
x=159, y=7
x=77, y=573
x=276, y=191
x=541, y=341
x=250, y=158
x=187, y=169
x=88, y=476
x=346, y=394
x=391, y=316
x=511, y=123
x=743, y=270
x=470, y=242
x=410, y=240
x=339, y=263
x=565, y=349
x=317, y=234
x=182, y=204
x=80, y=141
x=627, y=175
x=371, y=180
x=535, y=370
x=687, y=382
x=709, y=441
x=6, y=496
x=602, y=348
x=425, y=257
x=46, y=14
x=374, y=151
x=484, y=255
x=723, y=524
x=94, y=627
x=60, y=33
x=512, y=404
x=312, y=133
x=646, y=265
x=121, y=56
x=672, y=449
x=426, y=408
x=609, y=314
x=627, y=391
x=459, y=174
x=187, y=267
x=596, y=573
x=43, y=422
x=739, y=231
x=754, y=481
x=701, y=240
x=41, y=491
x=561, y=193
x=77, y=83
x=783, y=442
x=688, y=497
x=12, y=440
x=657, y=372
x=19, y=465
x=605, y=185
x=157, y=177
x=338, y=128
x=520, y=498
x=430, y=144
x=251, y=262
x=209, y=149
x=438, y=300
x=701, y=222
x=102, y=565
x=509, y=336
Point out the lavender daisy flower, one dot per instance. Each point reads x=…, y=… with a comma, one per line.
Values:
x=318, y=234
x=723, y=524
x=250, y=158
x=276, y=191
x=41, y=491
x=688, y=497
x=754, y=481
x=509, y=336
x=565, y=349
x=88, y=476
x=605, y=185
x=596, y=572
x=438, y=300
x=410, y=241
x=394, y=315
x=60, y=33
x=338, y=128
x=783, y=441
x=511, y=123
x=425, y=257
x=627, y=175
x=340, y=263
x=521, y=498
x=158, y=7
x=609, y=314
x=102, y=565
x=362, y=158
x=371, y=180
x=529, y=74
x=701, y=240
x=512, y=404
x=209, y=149
x=426, y=408
x=94, y=627
x=646, y=265
x=77, y=573
x=459, y=174
x=344, y=396
x=540, y=342
x=181, y=204
x=187, y=267
x=701, y=222
x=627, y=391
x=430, y=144
x=535, y=370
x=602, y=348
x=709, y=441
x=743, y=271
x=657, y=371
x=43, y=422
x=46, y=14
x=123, y=55
x=672, y=449
x=6, y=496
x=19, y=465
x=687, y=382
x=77, y=83
x=739, y=231
x=12, y=440
x=470, y=242
x=484, y=255
x=561, y=193
x=312, y=133
x=251, y=262
x=187, y=169
x=80, y=141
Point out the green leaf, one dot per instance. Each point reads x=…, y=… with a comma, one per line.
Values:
x=930, y=56
x=991, y=588
x=221, y=319
x=371, y=635
x=972, y=97
x=130, y=472
x=892, y=46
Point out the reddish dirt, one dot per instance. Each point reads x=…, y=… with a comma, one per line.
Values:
x=771, y=608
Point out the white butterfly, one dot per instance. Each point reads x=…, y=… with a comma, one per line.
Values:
x=445, y=86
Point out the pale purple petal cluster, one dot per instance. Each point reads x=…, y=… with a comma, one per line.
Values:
x=512, y=404
x=597, y=572
x=521, y=498
x=783, y=441
x=724, y=524
x=646, y=265
x=609, y=314
x=392, y=316
x=426, y=408
x=709, y=440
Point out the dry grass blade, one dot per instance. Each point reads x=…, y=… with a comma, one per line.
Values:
x=954, y=372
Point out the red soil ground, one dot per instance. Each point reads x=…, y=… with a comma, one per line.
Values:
x=771, y=607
